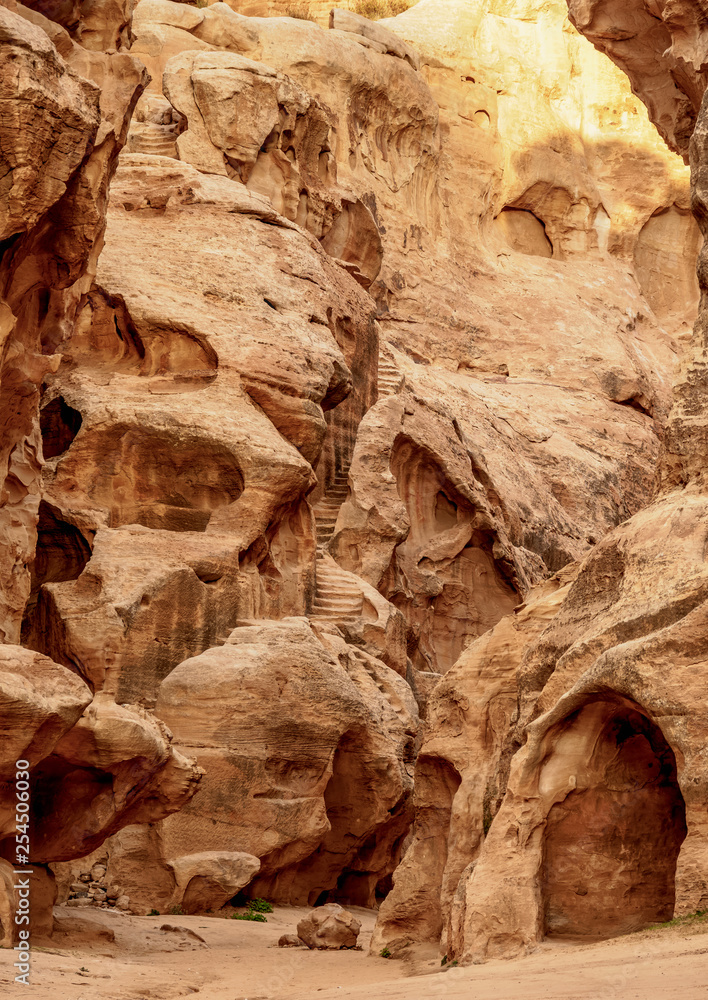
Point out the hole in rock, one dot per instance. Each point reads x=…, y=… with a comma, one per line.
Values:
x=59, y=424
x=445, y=512
x=62, y=554
x=383, y=887
x=209, y=576
x=64, y=791
x=524, y=232
x=62, y=550
x=612, y=844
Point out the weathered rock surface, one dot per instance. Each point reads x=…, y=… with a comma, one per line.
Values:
x=93, y=765
x=233, y=367
x=329, y=927
x=317, y=784
x=380, y=337
x=587, y=813
x=461, y=771
x=207, y=880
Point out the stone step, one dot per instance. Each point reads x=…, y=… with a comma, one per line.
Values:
x=334, y=593
x=329, y=594
x=330, y=578
x=335, y=608
x=328, y=617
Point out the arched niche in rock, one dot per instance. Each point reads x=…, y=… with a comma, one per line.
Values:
x=612, y=842
x=665, y=262
x=524, y=232
x=355, y=239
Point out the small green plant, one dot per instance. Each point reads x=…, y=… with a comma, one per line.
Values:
x=260, y=906
x=385, y=953
x=83, y=969
x=688, y=920
x=443, y=960
x=176, y=911
x=154, y=913
x=258, y=917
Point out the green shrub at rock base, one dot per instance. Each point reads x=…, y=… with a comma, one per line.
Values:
x=689, y=920
x=260, y=906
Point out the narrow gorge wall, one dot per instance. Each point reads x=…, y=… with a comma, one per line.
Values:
x=576, y=725
x=332, y=350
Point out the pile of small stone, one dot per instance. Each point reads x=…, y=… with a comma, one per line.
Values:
x=92, y=889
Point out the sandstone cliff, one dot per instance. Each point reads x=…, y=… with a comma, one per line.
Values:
x=362, y=342
x=563, y=776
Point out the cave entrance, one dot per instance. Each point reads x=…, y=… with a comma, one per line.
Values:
x=612, y=844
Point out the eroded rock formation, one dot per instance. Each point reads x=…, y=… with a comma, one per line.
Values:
x=94, y=766
x=587, y=809
x=372, y=344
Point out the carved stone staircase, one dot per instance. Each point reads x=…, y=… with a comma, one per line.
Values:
x=338, y=596
x=390, y=378
x=147, y=137
x=327, y=509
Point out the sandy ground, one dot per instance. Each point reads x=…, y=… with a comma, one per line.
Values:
x=239, y=961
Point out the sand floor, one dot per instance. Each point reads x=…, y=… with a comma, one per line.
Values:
x=238, y=961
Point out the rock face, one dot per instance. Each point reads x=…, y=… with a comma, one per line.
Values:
x=329, y=927
x=660, y=46
x=369, y=347
x=587, y=810
x=93, y=765
x=461, y=771
x=317, y=785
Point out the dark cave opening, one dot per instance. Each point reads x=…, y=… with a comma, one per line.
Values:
x=59, y=424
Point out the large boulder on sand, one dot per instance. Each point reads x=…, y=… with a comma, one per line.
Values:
x=329, y=927
x=209, y=879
